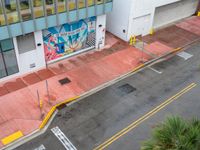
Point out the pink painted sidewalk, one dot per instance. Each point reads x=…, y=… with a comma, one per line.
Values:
x=19, y=108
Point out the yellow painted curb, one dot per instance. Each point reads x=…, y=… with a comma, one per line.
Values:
x=68, y=101
x=46, y=119
x=138, y=67
x=12, y=137
x=177, y=49
x=50, y=113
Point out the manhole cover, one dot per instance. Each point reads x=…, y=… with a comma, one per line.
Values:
x=64, y=81
x=125, y=89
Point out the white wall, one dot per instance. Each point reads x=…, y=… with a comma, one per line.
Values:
x=100, y=31
x=31, y=57
x=173, y=12
x=118, y=19
x=24, y=60
x=137, y=16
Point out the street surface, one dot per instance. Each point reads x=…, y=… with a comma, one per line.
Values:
x=173, y=85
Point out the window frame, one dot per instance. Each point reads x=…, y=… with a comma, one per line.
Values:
x=4, y=61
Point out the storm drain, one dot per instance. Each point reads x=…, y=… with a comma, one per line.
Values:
x=64, y=81
x=125, y=89
x=62, y=106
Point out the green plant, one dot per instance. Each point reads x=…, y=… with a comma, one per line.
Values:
x=175, y=134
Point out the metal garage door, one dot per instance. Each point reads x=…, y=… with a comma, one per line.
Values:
x=69, y=39
x=174, y=11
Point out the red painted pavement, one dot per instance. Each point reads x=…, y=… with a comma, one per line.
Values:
x=19, y=106
x=19, y=109
x=191, y=24
x=158, y=49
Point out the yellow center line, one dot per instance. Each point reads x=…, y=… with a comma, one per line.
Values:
x=145, y=117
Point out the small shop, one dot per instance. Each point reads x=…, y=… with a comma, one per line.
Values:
x=69, y=39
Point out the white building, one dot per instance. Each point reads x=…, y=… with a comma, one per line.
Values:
x=139, y=17
x=36, y=33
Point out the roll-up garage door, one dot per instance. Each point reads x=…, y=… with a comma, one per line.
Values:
x=69, y=39
x=175, y=11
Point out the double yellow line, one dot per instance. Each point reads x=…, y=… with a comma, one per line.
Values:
x=143, y=118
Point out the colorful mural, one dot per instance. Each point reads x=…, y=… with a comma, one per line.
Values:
x=69, y=38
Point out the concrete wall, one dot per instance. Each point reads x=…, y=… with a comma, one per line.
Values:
x=137, y=16
x=100, y=31
x=118, y=19
x=173, y=12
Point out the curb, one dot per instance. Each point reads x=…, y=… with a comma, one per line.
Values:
x=53, y=109
x=51, y=114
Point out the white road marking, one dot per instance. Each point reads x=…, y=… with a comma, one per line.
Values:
x=41, y=147
x=63, y=139
x=184, y=55
x=159, y=72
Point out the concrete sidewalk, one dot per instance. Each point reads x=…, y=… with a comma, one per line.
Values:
x=19, y=106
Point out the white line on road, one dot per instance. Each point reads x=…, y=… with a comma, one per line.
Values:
x=159, y=72
x=41, y=147
x=184, y=55
x=63, y=139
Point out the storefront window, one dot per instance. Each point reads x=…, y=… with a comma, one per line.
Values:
x=61, y=6
x=90, y=2
x=2, y=67
x=81, y=3
x=50, y=7
x=72, y=4
x=25, y=10
x=6, y=45
x=38, y=8
x=2, y=19
x=8, y=61
x=99, y=1
x=11, y=11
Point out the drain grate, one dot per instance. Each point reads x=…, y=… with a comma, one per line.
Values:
x=61, y=106
x=185, y=55
x=125, y=89
x=64, y=81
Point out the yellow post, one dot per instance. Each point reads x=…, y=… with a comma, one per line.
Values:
x=134, y=39
x=198, y=14
x=151, y=31
x=41, y=103
x=131, y=41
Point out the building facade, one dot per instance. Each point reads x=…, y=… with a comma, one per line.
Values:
x=139, y=17
x=34, y=33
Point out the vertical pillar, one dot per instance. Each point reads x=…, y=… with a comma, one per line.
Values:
x=6, y=19
x=20, y=16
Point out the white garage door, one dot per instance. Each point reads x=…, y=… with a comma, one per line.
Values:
x=174, y=11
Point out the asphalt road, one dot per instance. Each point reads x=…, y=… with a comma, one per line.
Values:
x=93, y=120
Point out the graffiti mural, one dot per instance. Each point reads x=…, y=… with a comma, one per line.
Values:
x=69, y=38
